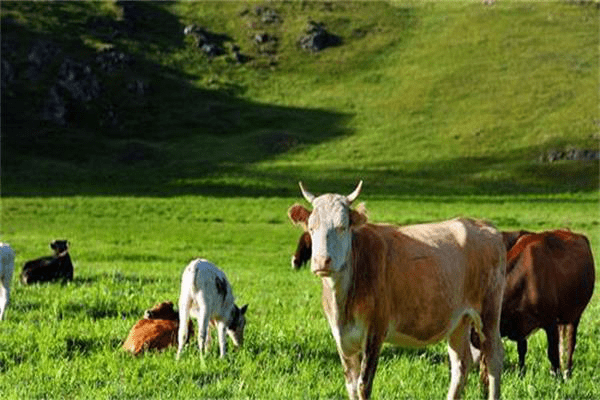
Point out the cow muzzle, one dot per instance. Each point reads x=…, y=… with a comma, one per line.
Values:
x=321, y=265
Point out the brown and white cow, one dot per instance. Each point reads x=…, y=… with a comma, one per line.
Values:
x=409, y=286
x=158, y=330
x=549, y=282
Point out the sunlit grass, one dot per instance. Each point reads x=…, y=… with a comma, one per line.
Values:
x=64, y=340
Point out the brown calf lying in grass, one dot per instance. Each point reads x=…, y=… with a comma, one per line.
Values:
x=158, y=330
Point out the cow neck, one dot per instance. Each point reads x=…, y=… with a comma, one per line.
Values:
x=232, y=319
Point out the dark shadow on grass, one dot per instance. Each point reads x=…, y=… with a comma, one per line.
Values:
x=80, y=347
x=99, y=311
x=389, y=353
x=174, y=132
x=8, y=360
x=25, y=306
x=116, y=278
x=178, y=139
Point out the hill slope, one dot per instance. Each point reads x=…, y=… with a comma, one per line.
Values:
x=435, y=98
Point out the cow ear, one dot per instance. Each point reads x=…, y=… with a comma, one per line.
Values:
x=358, y=217
x=244, y=309
x=299, y=215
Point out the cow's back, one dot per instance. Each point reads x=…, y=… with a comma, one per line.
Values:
x=550, y=274
x=434, y=272
x=199, y=279
x=151, y=334
x=468, y=254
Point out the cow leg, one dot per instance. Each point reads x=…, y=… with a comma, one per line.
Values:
x=369, y=366
x=208, y=340
x=562, y=343
x=4, y=298
x=460, y=358
x=552, y=334
x=571, y=337
x=203, y=329
x=492, y=351
x=492, y=358
x=222, y=333
x=351, y=367
x=522, y=349
x=185, y=304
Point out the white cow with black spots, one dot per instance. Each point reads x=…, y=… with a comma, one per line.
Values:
x=207, y=296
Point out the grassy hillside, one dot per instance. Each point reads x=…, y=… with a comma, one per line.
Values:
x=433, y=98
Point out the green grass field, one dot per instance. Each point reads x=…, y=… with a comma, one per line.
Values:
x=64, y=340
x=443, y=108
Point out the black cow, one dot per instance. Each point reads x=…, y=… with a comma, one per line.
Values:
x=57, y=266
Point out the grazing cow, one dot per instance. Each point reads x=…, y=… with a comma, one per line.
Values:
x=207, y=296
x=158, y=330
x=549, y=282
x=409, y=286
x=7, y=265
x=303, y=251
x=57, y=266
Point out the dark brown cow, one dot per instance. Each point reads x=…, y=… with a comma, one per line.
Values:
x=303, y=251
x=158, y=329
x=549, y=282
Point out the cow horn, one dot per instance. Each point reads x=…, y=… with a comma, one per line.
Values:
x=352, y=196
x=307, y=195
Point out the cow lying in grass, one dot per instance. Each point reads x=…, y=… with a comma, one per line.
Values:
x=207, y=296
x=158, y=330
x=7, y=265
x=57, y=266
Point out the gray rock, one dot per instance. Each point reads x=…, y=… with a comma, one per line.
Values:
x=317, y=38
x=78, y=80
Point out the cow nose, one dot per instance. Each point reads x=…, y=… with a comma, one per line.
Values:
x=322, y=261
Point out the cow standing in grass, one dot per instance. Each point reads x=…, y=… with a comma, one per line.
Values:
x=207, y=296
x=410, y=286
x=7, y=266
x=550, y=281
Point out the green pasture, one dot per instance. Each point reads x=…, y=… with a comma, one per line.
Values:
x=443, y=108
x=63, y=341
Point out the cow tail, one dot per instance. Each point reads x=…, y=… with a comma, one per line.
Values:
x=477, y=324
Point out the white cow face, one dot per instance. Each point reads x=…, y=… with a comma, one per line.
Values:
x=330, y=227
